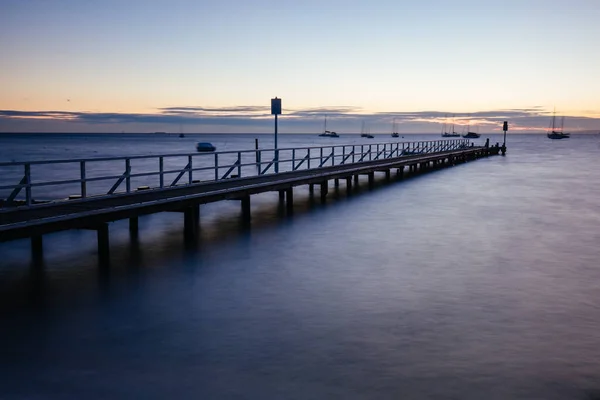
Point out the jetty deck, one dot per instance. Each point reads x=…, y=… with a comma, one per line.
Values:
x=148, y=188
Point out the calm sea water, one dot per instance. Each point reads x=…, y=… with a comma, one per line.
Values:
x=472, y=282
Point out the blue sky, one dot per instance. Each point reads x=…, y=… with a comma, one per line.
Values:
x=153, y=65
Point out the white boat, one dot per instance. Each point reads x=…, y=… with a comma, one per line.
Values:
x=451, y=133
x=365, y=132
x=394, y=129
x=553, y=132
x=327, y=133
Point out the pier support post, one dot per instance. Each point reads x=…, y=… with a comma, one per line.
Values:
x=387, y=175
x=133, y=227
x=246, y=214
x=336, y=182
x=356, y=179
x=349, y=185
x=311, y=188
x=400, y=171
x=37, y=250
x=324, y=189
x=191, y=218
x=281, y=196
x=289, y=195
x=103, y=244
x=371, y=179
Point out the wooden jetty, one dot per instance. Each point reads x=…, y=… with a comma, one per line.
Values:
x=39, y=204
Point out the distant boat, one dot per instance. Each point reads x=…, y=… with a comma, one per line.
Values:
x=394, y=130
x=451, y=133
x=364, y=132
x=181, y=135
x=205, y=146
x=557, y=134
x=327, y=133
x=471, y=135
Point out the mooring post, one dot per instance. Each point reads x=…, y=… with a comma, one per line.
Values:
x=103, y=244
x=289, y=195
x=133, y=227
x=324, y=189
x=37, y=250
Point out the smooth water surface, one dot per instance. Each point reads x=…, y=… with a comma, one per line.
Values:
x=476, y=281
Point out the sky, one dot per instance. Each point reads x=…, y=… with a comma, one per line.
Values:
x=213, y=66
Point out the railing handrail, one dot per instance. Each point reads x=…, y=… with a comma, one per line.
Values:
x=293, y=157
x=207, y=154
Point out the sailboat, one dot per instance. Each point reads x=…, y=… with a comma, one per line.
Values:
x=471, y=135
x=451, y=133
x=557, y=134
x=365, y=132
x=394, y=130
x=327, y=133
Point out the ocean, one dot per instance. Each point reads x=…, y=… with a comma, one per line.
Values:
x=477, y=281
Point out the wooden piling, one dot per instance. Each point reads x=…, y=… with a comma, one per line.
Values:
x=289, y=195
x=191, y=218
x=37, y=250
x=324, y=189
x=133, y=227
x=246, y=214
x=103, y=244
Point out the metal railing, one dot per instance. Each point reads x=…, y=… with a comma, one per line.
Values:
x=81, y=178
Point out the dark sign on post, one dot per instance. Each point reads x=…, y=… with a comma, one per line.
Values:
x=505, y=127
x=276, y=106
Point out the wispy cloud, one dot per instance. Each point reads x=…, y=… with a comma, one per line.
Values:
x=258, y=118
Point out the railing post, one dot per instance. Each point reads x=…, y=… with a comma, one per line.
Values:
x=28, y=184
x=308, y=153
x=190, y=169
x=293, y=159
x=321, y=156
x=239, y=161
x=370, y=153
x=258, y=160
x=82, y=177
x=127, y=173
x=161, y=170
x=332, y=155
x=216, y=166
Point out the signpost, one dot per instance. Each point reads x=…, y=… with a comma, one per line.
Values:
x=276, y=110
x=504, y=128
